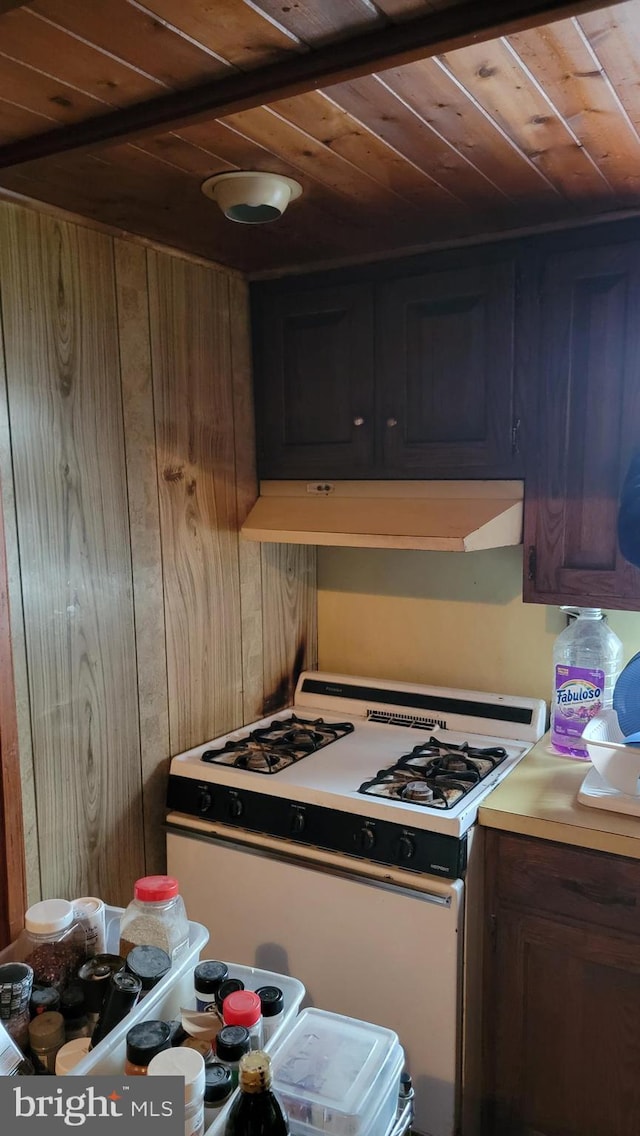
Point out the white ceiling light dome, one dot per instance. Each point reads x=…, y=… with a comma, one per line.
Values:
x=251, y=196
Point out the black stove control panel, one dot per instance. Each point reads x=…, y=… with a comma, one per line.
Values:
x=394, y=843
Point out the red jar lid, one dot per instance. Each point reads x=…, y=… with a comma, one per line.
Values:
x=242, y=1008
x=153, y=889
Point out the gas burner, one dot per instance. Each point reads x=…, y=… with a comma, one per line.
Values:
x=269, y=749
x=435, y=775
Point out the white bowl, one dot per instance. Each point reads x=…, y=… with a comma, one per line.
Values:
x=617, y=764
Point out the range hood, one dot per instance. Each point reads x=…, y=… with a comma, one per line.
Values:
x=443, y=516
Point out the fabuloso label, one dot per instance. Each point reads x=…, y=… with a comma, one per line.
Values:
x=578, y=696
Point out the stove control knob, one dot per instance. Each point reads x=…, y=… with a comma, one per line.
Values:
x=236, y=808
x=405, y=848
x=298, y=822
x=365, y=839
x=204, y=801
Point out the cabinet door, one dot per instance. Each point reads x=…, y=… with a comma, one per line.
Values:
x=589, y=425
x=564, y=1030
x=314, y=369
x=445, y=345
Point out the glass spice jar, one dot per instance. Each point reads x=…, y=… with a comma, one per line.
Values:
x=156, y=917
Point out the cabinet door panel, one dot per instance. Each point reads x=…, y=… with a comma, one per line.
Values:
x=445, y=348
x=314, y=362
x=589, y=427
x=566, y=1014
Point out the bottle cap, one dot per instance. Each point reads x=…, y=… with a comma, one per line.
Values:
x=254, y=1074
x=145, y=1040
x=149, y=964
x=242, y=1008
x=218, y=1083
x=46, y=1031
x=271, y=1000
x=48, y=916
x=232, y=1042
x=155, y=889
x=229, y=986
x=71, y=1054
x=208, y=975
x=181, y=1063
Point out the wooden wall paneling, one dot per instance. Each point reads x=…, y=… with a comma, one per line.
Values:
x=135, y=37
x=196, y=478
x=494, y=75
x=146, y=553
x=66, y=423
x=289, y=623
x=13, y=891
x=20, y=677
x=563, y=61
x=249, y=556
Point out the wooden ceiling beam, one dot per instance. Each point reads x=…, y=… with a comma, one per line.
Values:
x=9, y=5
x=395, y=46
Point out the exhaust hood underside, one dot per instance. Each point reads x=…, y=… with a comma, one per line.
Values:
x=441, y=516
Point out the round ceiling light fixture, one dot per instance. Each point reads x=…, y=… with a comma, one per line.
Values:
x=251, y=196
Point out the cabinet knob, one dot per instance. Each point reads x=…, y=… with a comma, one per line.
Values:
x=358, y=421
x=392, y=422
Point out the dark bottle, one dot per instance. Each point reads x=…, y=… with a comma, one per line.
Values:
x=257, y=1111
x=122, y=995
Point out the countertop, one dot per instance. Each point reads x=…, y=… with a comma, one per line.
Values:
x=539, y=798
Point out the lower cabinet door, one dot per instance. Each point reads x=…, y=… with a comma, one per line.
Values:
x=563, y=1030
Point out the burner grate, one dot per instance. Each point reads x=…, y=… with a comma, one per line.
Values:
x=269, y=749
x=435, y=775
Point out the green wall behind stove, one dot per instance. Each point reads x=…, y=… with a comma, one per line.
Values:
x=437, y=617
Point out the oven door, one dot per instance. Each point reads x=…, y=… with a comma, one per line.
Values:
x=384, y=948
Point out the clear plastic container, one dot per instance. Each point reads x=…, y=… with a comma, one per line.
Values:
x=587, y=659
x=338, y=1076
x=156, y=917
x=53, y=942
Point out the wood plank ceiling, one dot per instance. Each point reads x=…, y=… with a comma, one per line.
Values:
x=536, y=126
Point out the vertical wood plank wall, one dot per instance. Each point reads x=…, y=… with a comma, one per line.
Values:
x=127, y=465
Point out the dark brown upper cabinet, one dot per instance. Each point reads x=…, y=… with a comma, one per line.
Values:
x=445, y=355
x=393, y=376
x=588, y=375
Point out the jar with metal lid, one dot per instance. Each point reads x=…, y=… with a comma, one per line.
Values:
x=231, y=1044
x=144, y=1041
x=188, y=1064
x=243, y=1008
x=53, y=942
x=156, y=917
x=46, y=1037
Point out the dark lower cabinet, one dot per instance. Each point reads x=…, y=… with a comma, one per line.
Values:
x=562, y=992
x=588, y=378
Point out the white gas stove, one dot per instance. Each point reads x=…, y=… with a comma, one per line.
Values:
x=388, y=772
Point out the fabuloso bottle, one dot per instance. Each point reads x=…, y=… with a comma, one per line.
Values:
x=587, y=659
